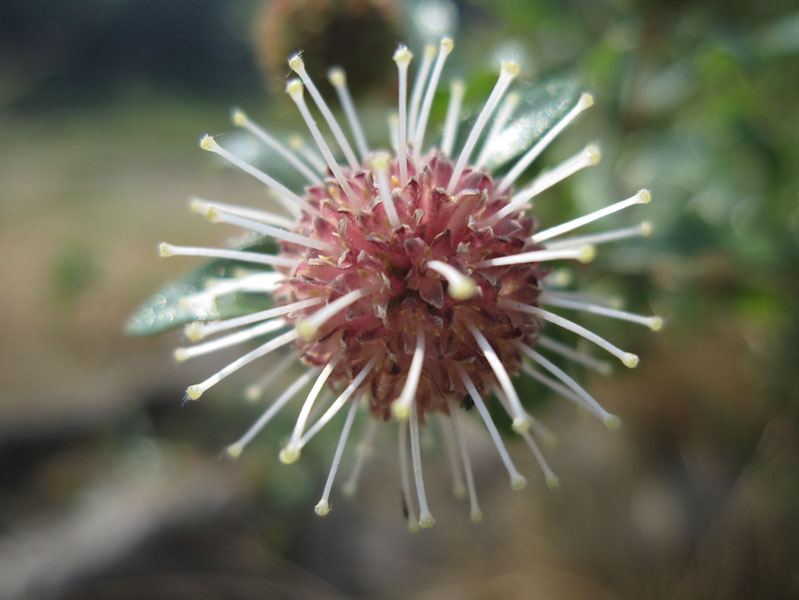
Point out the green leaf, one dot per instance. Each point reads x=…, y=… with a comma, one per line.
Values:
x=166, y=309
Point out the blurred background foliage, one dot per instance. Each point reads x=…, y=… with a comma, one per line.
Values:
x=110, y=488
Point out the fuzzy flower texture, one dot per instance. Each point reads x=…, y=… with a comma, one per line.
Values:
x=410, y=284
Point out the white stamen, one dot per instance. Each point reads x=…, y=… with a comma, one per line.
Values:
x=291, y=452
x=535, y=425
x=505, y=111
x=642, y=197
x=393, y=124
x=456, y=91
x=401, y=407
x=254, y=391
x=323, y=506
x=610, y=421
x=517, y=480
x=507, y=73
x=240, y=119
x=461, y=287
x=205, y=301
x=628, y=359
x=474, y=507
x=252, y=257
x=402, y=453
x=362, y=452
x=609, y=301
x=219, y=216
x=308, y=327
x=642, y=230
x=201, y=206
x=425, y=517
x=445, y=47
x=183, y=354
x=520, y=420
x=418, y=86
x=555, y=386
x=338, y=403
x=193, y=392
x=294, y=89
x=339, y=81
x=291, y=201
x=380, y=168
x=402, y=57
x=577, y=356
x=313, y=159
x=197, y=331
x=584, y=254
x=458, y=489
x=298, y=66
x=654, y=323
x=525, y=161
x=235, y=449
x=586, y=158
x=550, y=477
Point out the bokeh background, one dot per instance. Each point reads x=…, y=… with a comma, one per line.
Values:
x=111, y=488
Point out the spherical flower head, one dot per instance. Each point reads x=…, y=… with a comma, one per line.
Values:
x=411, y=282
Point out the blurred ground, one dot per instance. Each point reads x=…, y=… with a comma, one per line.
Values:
x=109, y=488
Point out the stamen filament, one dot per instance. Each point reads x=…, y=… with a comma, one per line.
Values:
x=402, y=57
x=654, y=323
x=338, y=403
x=393, y=126
x=362, y=452
x=555, y=386
x=505, y=111
x=219, y=216
x=291, y=451
x=584, y=254
x=240, y=119
x=461, y=287
x=642, y=197
x=323, y=506
x=380, y=168
x=197, y=331
x=308, y=327
x=445, y=47
x=610, y=421
x=338, y=79
x=201, y=206
x=193, y=392
x=644, y=229
x=401, y=407
x=183, y=354
x=235, y=449
x=294, y=89
x=582, y=358
x=507, y=73
x=520, y=420
x=458, y=489
x=313, y=159
x=517, y=480
x=418, y=86
x=456, y=91
x=474, y=507
x=425, y=517
x=291, y=201
x=628, y=359
x=586, y=158
x=525, y=161
x=298, y=66
x=402, y=452
x=252, y=257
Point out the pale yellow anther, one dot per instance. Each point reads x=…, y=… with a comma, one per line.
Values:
x=586, y=253
x=179, y=354
x=476, y=516
x=426, y=521
x=430, y=51
x=592, y=154
x=336, y=76
x=447, y=45
x=380, y=161
x=238, y=117
x=612, y=422
x=295, y=141
x=208, y=143
x=646, y=229
x=165, y=249
x=252, y=393
x=518, y=482
x=193, y=332
x=305, y=329
x=585, y=100
x=294, y=89
x=459, y=491
x=521, y=425
x=234, y=450
x=193, y=392
x=296, y=63
x=644, y=196
x=322, y=508
x=630, y=360
x=403, y=56
x=655, y=323
x=552, y=482
x=197, y=206
x=401, y=411
x=463, y=289
x=212, y=214
x=510, y=67
x=289, y=454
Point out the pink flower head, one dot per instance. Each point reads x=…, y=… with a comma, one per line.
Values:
x=409, y=282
